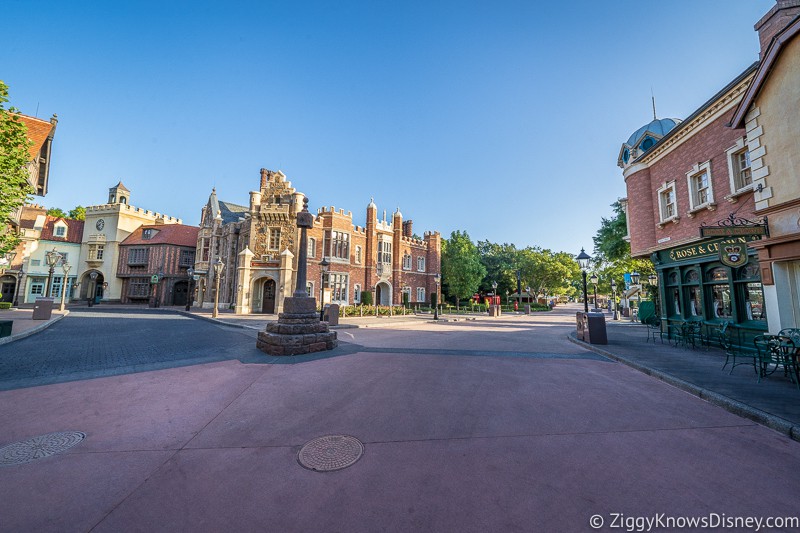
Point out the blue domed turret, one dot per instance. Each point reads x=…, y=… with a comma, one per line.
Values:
x=645, y=138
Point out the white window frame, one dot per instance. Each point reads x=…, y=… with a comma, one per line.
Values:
x=407, y=261
x=358, y=254
x=420, y=294
x=272, y=240
x=310, y=288
x=691, y=177
x=60, y=231
x=664, y=189
x=343, y=286
x=420, y=263
x=37, y=288
x=734, y=170
x=312, y=247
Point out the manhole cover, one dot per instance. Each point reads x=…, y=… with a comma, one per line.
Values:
x=329, y=453
x=26, y=451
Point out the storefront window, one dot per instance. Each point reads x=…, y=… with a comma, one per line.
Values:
x=754, y=302
x=676, y=301
x=718, y=274
x=695, y=303
x=721, y=301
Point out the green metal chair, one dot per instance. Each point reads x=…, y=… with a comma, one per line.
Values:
x=653, y=324
x=774, y=352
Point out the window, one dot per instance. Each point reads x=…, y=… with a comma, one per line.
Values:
x=139, y=288
x=147, y=234
x=406, y=262
x=36, y=262
x=64, y=259
x=37, y=288
x=719, y=293
x=358, y=255
x=274, y=238
x=310, y=288
x=740, y=171
x=420, y=294
x=96, y=252
x=137, y=256
x=752, y=293
x=187, y=258
x=55, y=287
x=205, y=250
x=312, y=247
x=701, y=192
x=667, y=206
x=337, y=244
x=405, y=293
x=357, y=293
x=420, y=264
x=337, y=283
x=61, y=231
x=385, y=251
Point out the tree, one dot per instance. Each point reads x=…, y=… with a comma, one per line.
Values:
x=461, y=266
x=500, y=262
x=56, y=212
x=79, y=213
x=609, y=243
x=14, y=157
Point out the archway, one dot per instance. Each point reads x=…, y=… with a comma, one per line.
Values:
x=383, y=293
x=92, y=288
x=8, y=286
x=268, y=297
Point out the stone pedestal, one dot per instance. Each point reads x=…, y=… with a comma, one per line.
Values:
x=297, y=331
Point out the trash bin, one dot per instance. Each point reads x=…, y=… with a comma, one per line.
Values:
x=527, y=309
x=594, y=331
x=331, y=315
x=5, y=328
x=42, y=308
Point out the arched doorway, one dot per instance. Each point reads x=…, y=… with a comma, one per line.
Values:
x=268, y=296
x=8, y=284
x=180, y=293
x=383, y=293
x=92, y=288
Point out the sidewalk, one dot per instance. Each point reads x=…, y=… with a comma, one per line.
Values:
x=24, y=325
x=775, y=402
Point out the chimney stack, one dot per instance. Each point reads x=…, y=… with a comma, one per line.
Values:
x=776, y=19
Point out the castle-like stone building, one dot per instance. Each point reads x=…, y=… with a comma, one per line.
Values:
x=257, y=245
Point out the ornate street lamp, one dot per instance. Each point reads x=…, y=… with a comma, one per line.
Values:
x=51, y=258
x=324, y=267
x=189, y=295
x=65, y=267
x=219, y=266
x=583, y=261
x=635, y=280
x=528, y=290
x=653, y=279
x=614, y=296
x=519, y=286
x=438, y=279
x=91, y=290
x=594, y=281
x=20, y=274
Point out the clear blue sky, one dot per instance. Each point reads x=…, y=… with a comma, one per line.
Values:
x=503, y=119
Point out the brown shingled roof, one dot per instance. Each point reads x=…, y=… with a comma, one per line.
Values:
x=74, y=230
x=176, y=234
x=38, y=130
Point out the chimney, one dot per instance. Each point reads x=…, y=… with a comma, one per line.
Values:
x=408, y=228
x=776, y=19
x=263, y=178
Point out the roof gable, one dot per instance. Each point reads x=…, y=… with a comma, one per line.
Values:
x=38, y=132
x=175, y=234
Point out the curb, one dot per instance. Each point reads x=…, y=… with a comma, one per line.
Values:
x=729, y=404
x=209, y=319
x=33, y=330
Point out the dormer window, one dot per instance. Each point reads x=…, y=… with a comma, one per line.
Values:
x=147, y=234
x=626, y=156
x=647, y=143
x=61, y=231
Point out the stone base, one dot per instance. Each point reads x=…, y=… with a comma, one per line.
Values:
x=298, y=330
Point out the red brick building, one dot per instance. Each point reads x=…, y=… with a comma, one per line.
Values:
x=258, y=246
x=154, y=262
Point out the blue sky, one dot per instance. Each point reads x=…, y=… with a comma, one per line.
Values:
x=503, y=119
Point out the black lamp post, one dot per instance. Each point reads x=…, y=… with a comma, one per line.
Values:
x=20, y=274
x=324, y=265
x=90, y=291
x=583, y=261
x=438, y=279
x=219, y=266
x=593, y=279
x=51, y=258
x=614, y=297
x=519, y=286
x=189, y=293
x=635, y=280
x=494, y=293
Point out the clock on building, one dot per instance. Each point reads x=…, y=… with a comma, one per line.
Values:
x=100, y=224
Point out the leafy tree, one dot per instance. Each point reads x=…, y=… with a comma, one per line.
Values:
x=500, y=262
x=548, y=272
x=461, y=266
x=79, y=213
x=56, y=212
x=14, y=185
x=609, y=243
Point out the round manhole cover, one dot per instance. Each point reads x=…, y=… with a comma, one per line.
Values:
x=332, y=452
x=26, y=451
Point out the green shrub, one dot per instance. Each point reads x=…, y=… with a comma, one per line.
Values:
x=366, y=298
x=5, y=305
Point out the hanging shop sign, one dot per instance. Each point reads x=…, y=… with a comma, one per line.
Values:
x=711, y=248
x=733, y=254
x=734, y=226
